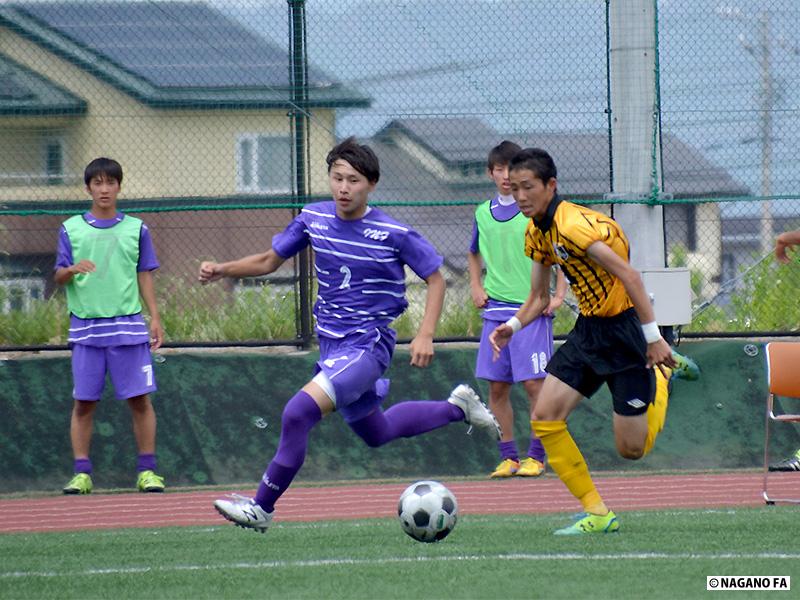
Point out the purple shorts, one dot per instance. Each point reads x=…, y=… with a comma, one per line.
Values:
x=525, y=357
x=354, y=366
x=130, y=368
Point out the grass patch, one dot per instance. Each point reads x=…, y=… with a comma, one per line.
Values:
x=657, y=555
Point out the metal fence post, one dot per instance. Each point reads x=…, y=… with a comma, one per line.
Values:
x=298, y=66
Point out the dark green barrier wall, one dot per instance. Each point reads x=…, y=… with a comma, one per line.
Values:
x=207, y=404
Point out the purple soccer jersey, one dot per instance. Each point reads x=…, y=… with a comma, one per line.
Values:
x=114, y=331
x=359, y=265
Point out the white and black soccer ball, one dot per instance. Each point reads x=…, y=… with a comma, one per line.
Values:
x=428, y=511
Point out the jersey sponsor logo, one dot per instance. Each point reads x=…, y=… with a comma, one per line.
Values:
x=636, y=403
x=376, y=234
x=561, y=252
x=316, y=225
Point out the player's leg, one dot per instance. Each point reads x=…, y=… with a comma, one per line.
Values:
x=303, y=410
x=532, y=465
x=144, y=431
x=502, y=408
x=131, y=372
x=301, y=413
x=641, y=398
x=530, y=352
x=556, y=402
x=88, y=375
x=499, y=375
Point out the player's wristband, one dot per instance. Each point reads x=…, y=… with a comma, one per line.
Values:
x=514, y=323
x=651, y=332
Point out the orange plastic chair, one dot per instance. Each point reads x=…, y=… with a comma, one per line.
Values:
x=783, y=376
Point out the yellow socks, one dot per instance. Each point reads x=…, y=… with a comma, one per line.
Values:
x=657, y=411
x=569, y=464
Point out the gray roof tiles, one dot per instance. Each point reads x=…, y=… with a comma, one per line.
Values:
x=172, y=53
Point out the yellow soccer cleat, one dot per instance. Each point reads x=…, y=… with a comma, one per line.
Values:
x=530, y=467
x=589, y=523
x=507, y=468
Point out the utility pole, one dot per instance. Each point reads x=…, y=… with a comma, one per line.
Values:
x=761, y=51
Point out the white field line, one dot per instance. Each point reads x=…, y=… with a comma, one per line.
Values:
x=349, y=562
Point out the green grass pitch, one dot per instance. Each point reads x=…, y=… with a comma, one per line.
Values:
x=665, y=554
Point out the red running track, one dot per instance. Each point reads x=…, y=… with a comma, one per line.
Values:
x=514, y=496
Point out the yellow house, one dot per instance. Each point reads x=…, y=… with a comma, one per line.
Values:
x=189, y=101
x=195, y=106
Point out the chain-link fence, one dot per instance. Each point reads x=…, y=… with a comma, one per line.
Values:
x=221, y=113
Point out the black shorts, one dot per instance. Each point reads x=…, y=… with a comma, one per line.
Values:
x=610, y=350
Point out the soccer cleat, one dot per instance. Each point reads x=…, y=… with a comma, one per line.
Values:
x=686, y=368
x=530, y=467
x=507, y=468
x=788, y=464
x=150, y=482
x=81, y=483
x=475, y=412
x=589, y=523
x=244, y=512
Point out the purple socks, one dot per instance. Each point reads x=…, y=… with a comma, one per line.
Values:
x=82, y=465
x=405, y=419
x=300, y=415
x=146, y=462
x=508, y=450
x=536, y=450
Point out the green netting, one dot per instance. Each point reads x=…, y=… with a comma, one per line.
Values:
x=221, y=113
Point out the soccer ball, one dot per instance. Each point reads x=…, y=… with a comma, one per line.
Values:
x=428, y=511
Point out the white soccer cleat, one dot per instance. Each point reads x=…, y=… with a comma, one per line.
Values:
x=244, y=512
x=475, y=412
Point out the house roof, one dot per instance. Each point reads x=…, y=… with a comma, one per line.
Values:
x=23, y=92
x=581, y=157
x=172, y=54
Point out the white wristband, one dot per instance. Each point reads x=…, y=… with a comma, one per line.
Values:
x=651, y=332
x=514, y=323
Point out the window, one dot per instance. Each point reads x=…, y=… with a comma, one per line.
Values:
x=53, y=162
x=20, y=293
x=263, y=163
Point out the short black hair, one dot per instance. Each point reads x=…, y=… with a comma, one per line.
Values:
x=360, y=156
x=502, y=154
x=536, y=160
x=103, y=166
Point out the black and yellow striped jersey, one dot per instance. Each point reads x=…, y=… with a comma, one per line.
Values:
x=563, y=236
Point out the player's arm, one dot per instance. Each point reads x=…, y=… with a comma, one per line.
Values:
x=475, y=267
x=658, y=351
x=249, y=266
x=537, y=302
x=561, y=292
x=422, y=344
x=786, y=241
x=64, y=274
x=148, y=293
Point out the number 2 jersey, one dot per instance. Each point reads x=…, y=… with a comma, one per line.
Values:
x=359, y=265
x=563, y=236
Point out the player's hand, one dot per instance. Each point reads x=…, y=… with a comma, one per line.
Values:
x=660, y=354
x=781, y=246
x=209, y=271
x=555, y=302
x=499, y=339
x=83, y=266
x=479, y=296
x=156, y=334
x=421, y=351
